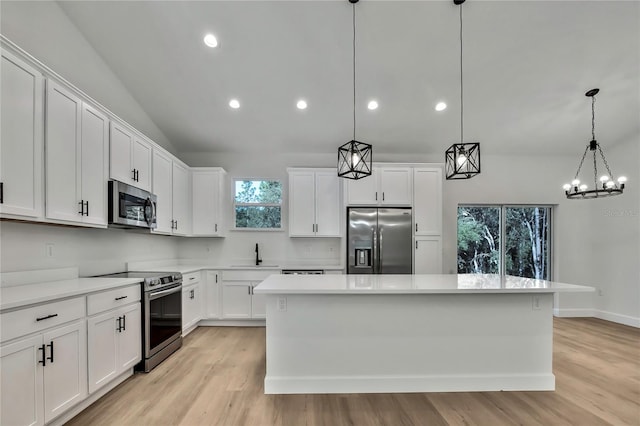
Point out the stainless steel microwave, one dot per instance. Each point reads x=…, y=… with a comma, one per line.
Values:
x=131, y=207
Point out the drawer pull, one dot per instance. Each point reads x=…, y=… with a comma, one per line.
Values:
x=121, y=297
x=47, y=317
x=50, y=345
x=192, y=278
x=43, y=361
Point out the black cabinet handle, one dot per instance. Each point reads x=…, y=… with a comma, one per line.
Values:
x=376, y=195
x=124, y=322
x=81, y=204
x=191, y=294
x=383, y=196
x=134, y=174
x=1, y=192
x=216, y=278
x=121, y=297
x=192, y=278
x=119, y=328
x=47, y=317
x=50, y=345
x=43, y=361
x=215, y=230
x=176, y=225
x=416, y=244
x=87, y=204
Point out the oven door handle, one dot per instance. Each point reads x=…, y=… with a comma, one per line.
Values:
x=156, y=295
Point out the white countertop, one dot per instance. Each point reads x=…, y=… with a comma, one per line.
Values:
x=185, y=268
x=410, y=284
x=23, y=295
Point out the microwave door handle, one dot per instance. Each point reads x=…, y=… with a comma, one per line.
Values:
x=149, y=218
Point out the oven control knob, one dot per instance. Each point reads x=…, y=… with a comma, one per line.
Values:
x=154, y=282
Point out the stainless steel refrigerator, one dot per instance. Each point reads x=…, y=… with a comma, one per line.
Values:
x=379, y=240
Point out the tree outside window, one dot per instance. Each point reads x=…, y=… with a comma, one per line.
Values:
x=512, y=240
x=258, y=204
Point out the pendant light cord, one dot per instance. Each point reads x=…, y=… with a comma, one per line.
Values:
x=461, y=84
x=353, y=5
x=593, y=118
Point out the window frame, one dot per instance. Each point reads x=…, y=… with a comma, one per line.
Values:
x=234, y=204
x=503, y=232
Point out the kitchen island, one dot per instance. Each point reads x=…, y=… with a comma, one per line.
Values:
x=408, y=333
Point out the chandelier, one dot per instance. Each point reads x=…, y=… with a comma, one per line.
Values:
x=608, y=187
x=354, y=158
x=462, y=160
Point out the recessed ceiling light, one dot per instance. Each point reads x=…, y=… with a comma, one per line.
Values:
x=372, y=105
x=210, y=40
x=302, y=104
x=441, y=106
x=234, y=103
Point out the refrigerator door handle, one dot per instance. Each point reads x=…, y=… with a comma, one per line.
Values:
x=374, y=261
x=380, y=251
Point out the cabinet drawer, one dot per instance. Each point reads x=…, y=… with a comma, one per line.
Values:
x=110, y=299
x=190, y=278
x=248, y=275
x=37, y=318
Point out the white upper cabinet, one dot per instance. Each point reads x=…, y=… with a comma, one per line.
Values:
x=427, y=199
x=163, y=189
x=181, y=199
x=208, y=191
x=76, y=158
x=172, y=186
x=314, y=203
x=388, y=185
x=21, y=138
x=130, y=159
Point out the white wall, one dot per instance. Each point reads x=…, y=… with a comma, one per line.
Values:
x=43, y=30
x=93, y=251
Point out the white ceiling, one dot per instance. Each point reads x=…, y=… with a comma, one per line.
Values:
x=527, y=65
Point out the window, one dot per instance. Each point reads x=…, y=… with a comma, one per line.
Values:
x=512, y=240
x=257, y=204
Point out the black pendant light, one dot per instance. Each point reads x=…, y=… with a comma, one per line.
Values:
x=462, y=160
x=608, y=186
x=354, y=158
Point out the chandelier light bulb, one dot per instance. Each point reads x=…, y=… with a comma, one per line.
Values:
x=604, y=178
x=355, y=158
x=461, y=160
x=575, y=182
x=566, y=187
x=610, y=184
x=622, y=179
x=583, y=187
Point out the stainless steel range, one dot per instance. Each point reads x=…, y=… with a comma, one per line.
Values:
x=161, y=315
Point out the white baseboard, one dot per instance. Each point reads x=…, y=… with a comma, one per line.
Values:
x=395, y=384
x=232, y=323
x=577, y=312
x=620, y=319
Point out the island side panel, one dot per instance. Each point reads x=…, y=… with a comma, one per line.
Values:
x=328, y=343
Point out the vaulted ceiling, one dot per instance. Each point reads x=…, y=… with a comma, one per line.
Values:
x=527, y=65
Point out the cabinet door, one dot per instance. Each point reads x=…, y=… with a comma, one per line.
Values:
x=212, y=294
x=302, y=204
x=65, y=376
x=121, y=143
x=141, y=157
x=21, y=141
x=163, y=189
x=130, y=337
x=181, y=200
x=63, y=154
x=206, y=203
x=258, y=304
x=428, y=255
x=189, y=307
x=236, y=300
x=95, y=164
x=102, y=336
x=22, y=382
x=363, y=191
x=427, y=199
x=395, y=185
x=328, y=206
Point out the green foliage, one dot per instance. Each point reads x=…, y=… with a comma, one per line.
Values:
x=478, y=240
x=266, y=197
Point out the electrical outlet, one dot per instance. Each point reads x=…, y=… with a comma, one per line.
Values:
x=282, y=304
x=536, y=303
x=48, y=249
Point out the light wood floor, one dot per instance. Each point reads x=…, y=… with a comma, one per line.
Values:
x=216, y=378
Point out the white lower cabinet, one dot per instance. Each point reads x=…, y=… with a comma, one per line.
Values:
x=192, y=304
x=238, y=301
x=428, y=255
x=114, y=342
x=43, y=375
x=212, y=295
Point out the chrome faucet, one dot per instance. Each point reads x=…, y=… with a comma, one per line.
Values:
x=258, y=260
